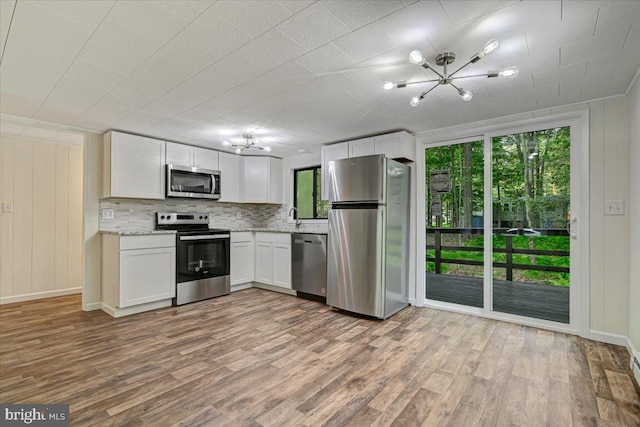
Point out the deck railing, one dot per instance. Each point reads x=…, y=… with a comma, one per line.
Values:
x=509, y=250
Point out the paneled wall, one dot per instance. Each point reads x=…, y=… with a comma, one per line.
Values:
x=41, y=239
x=634, y=218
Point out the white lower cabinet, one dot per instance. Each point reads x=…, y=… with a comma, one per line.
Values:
x=273, y=259
x=137, y=270
x=241, y=257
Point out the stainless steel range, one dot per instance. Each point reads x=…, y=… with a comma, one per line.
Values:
x=202, y=256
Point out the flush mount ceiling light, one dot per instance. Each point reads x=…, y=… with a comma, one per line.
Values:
x=249, y=143
x=444, y=78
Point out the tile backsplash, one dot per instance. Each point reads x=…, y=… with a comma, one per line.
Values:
x=139, y=215
x=133, y=214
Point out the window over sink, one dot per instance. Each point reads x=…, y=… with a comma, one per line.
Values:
x=306, y=194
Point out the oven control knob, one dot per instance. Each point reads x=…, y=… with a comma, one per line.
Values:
x=162, y=217
x=200, y=216
x=206, y=217
x=168, y=216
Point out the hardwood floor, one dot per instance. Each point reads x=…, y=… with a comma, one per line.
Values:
x=261, y=358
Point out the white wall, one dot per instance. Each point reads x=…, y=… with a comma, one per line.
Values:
x=92, y=240
x=41, y=240
x=609, y=180
x=634, y=218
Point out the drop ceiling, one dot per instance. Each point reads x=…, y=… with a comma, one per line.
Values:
x=300, y=74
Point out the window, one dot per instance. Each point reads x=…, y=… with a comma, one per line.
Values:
x=306, y=194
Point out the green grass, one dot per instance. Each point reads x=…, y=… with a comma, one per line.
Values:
x=559, y=243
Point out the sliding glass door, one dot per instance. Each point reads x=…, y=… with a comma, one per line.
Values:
x=498, y=210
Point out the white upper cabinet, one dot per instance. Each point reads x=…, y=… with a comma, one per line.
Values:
x=231, y=177
x=330, y=153
x=262, y=180
x=205, y=159
x=361, y=147
x=134, y=166
x=186, y=155
x=398, y=145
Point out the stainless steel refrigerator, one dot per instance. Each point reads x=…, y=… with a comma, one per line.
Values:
x=368, y=241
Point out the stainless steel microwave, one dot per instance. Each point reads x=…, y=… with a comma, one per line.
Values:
x=192, y=182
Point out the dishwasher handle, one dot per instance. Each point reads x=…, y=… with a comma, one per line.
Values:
x=307, y=242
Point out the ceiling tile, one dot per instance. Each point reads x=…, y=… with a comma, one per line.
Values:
x=198, y=115
x=89, y=13
x=149, y=19
x=244, y=64
x=255, y=17
x=6, y=12
x=600, y=45
x=463, y=11
x=139, y=121
x=617, y=14
x=560, y=75
x=106, y=113
x=291, y=75
x=275, y=47
x=628, y=58
x=325, y=59
x=189, y=9
x=313, y=27
x=128, y=96
x=119, y=37
x=216, y=34
x=264, y=87
x=231, y=101
x=525, y=16
x=416, y=23
x=539, y=62
x=158, y=75
x=188, y=53
x=34, y=61
x=112, y=59
x=296, y=6
x=358, y=13
x=366, y=43
x=269, y=107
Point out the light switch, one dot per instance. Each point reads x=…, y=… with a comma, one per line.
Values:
x=107, y=214
x=7, y=207
x=614, y=207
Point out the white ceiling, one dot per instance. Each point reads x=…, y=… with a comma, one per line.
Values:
x=300, y=73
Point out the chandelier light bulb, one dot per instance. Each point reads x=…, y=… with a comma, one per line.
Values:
x=491, y=46
x=388, y=85
x=510, y=72
x=415, y=57
x=267, y=149
x=415, y=101
x=467, y=95
x=238, y=150
x=226, y=143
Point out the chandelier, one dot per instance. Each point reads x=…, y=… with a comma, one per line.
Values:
x=249, y=143
x=444, y=78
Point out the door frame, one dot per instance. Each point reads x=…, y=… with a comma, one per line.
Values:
x=580, y=286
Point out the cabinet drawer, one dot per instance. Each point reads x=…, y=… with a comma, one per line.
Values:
x=273, y=237
x=241, y=236
x=147, y=241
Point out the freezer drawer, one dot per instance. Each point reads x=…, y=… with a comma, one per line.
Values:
x=360, y=179
x=309, y=263
x=356, y=260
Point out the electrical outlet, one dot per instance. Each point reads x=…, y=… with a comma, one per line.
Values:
x=614, y=207
x=7, y=207
x=107, y=214
x=238, y=215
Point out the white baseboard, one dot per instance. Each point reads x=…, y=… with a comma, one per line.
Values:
x=634, y=354
x=39, y=295
x=126, y=311
x=92, y=306
x=241, y=286
x=274, y=288
x=608, y=337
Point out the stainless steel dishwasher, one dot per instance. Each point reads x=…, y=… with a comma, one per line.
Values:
x=309, y=264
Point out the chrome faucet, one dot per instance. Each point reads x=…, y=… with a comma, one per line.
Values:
x=298, y=221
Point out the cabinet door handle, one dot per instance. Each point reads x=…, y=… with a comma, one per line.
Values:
x=216, y=236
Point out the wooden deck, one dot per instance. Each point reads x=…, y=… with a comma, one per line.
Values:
x=524, y=299
x=260, y=358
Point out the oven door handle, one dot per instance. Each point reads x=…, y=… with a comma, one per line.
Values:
x=209, y=237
